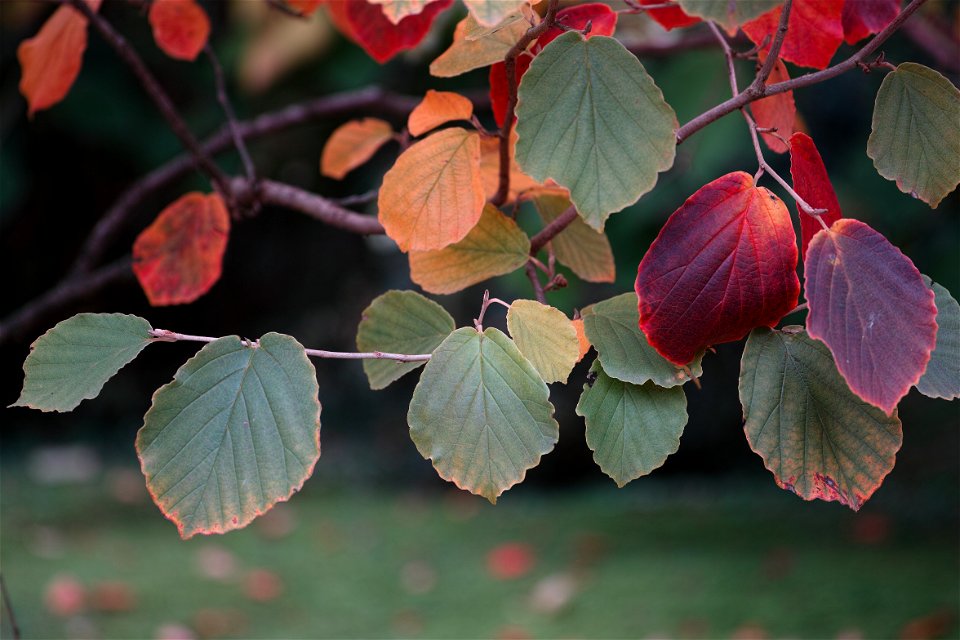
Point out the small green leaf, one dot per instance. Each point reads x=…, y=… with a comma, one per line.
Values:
x=817, y=438
x=582, y=248
x=71, y=362
x=235, y=432
x=481, y=413
x=590, y=117
x=613, y=328
x=729, y=14
x=546, y=337
x=631, y=429
x=942, y=377
x=400, y=322
x=915, y=137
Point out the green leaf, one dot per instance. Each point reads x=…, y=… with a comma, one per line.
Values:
x=481, y=413
x=631, y=429
x=728, y=13
x=591, y=118
x=400, y=322
x=915, y=137
x=942, y=377
x=235, y=432
x=613, y=328
x=585, y=250
x=546, y=337
x=71, y=362
x=817, y=438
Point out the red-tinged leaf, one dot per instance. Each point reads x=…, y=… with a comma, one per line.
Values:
x=871, y=307
x=180, y=27
x=178, y=257
x=814, y=32
x=498, y=85
x=366, y=24
x=50, y=61
x=777, y=111
x=864, y=17
x=724, y=263
x=602, y=20
x=811, y=181
x=669, y=17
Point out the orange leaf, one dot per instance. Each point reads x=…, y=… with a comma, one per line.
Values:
x=178, y=257
x=581, y=337
x=437, y=108
x=776, y=112
x=433, y=196
x=352, y=144
x=50, y=60
x=180, y=27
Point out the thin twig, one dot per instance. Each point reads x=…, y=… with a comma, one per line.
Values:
x=275, y=193
x=360, y=198
x=773, y=55
x=538, y=291
x=228, y=111
x=8, y=605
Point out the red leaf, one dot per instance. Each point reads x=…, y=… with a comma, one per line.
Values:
x=365, y=24
x=50, y=61
x=510, y=560
x=305, y=7
x=811, y=181
x=180, y=27
x=777, y=111
x=498, y=85
x=814, y=32
x=178, y=257
x=724, y=263
x=871, y=307
x=670, y=17
x=863, y=17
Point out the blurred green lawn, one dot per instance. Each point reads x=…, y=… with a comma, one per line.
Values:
x=658, y=559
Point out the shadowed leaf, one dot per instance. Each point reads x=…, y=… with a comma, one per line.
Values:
x=437, y=108
x=545, y=337
x=583, y=343
x=180, y=27
x=352, y=144
x=814, y=32
x=777, y=111
x=669, y=17
x=492, y=12
x=466, y=54
x=729, y=14
x=366, y=24
x=520, y=183
x=581, y=247
x=397, y=10
x=864, y=17
x=942, y=377
x=811, y=181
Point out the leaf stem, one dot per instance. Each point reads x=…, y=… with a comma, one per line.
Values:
x=228, y=111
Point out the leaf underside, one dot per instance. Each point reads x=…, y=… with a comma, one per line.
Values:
x=545, y=337
x=942, y=377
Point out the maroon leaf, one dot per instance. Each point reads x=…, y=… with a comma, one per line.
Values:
x=871, y=307
x=863, y=17
x=724, y=263
x=811, y=181
x=366, y=24
x=669, y=17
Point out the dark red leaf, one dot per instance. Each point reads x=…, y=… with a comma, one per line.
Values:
x=510, y=560
x=871, y=307
x=180, y=27
x=777, y=111
x=365, y=24
x=498, y=85
x=724, y=263
x=863, y=17
x=814, y=32
x=670, y=17
x=811, y=181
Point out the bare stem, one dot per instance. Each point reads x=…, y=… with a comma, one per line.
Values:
x=228, y=111
x=550, y=231
x=14, y=627
x=538, y=290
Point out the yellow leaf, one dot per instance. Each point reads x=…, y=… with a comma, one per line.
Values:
x=437, y=108
x=397, y=10
x=492, y=248
x=473, y=48
x=581, y=247
x=545, y=337
x=492, y=12
x=352, y=144
x=433, y=195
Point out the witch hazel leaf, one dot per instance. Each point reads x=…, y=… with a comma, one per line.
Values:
x=729, y=14
x=871, y=307
x=466, y=54
x=520, y=183
x=724, y=263
x=437, y=108
x=235, y=432
x=545, y=337
x=669, y=17
x=397, y=10
x=942, y=377
x=777, y=112
x=862, y=18
x=71, y=362
x=492, y=12
x=352, y=144
x=811, y=181
x=818, y=439
x=814, y=32
x=180, y=27
x=368, y=26
x=581, y=247
x=631, y=429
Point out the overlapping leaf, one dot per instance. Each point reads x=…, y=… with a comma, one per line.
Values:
x=777, y=111
x=397, y=10
x=871, y=307
x=437, y=108
x=669, y=17
x=466, y=54
x=180, y=27
x=593, y=120
x=583, y=342
x=481, y=412
x=400, y=322
x=585, y=250
x=914, y=139
x=520, y=183
x=492, y=12
x=631, y=429
x=352, y=144
x=545, y=337
x=729, y=14
x=71, y=362
x=724, y=263
x=814, y=32
x=817, y=438
x=863, y=17
x=811, y=181
x=942, y=377
x=235, y=432
x=368, y=26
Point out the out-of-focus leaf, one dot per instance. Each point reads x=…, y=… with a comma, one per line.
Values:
x=729, y=14
x=814, y=32
x=466, y=54
x=942, y=377
x=490, y=13
x=811, y=181
x=864, y=17
x=366, y=24
x=397, y=10
x=352, y=144
x=180, y=27
x=581, y=247
x=777, y=111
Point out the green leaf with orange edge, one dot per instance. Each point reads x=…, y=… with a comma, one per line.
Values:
x=494, y=247
x=942, y=377
x=235, y=432
x=591, y=118
x=729, y=14
x=71, y=362
x=815, y=435
x=468, y=51
x=433, y=195
x=582, y=248
x=613, y=328
x=546, y=337
x=481, y=412
x=631, y=429
x=400, y=322
x=352, y=144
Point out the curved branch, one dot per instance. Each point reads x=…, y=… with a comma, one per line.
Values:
x=317, y=207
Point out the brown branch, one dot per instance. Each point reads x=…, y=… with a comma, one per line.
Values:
x=550, y=231
x=667, y=46
x=317, y=207
x=538, y=291
x=774, y=54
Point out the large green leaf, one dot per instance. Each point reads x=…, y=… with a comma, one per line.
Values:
x=235, y=432
x=613, y=328
x=942, y=377
x=481, y=412
x=631, y=429
x=71, y=362
x=582, y=248
x=915, y=136
x=400, y=322
x=591, y=118
x=817, y=438
x=546, y=337
x=729, y=13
